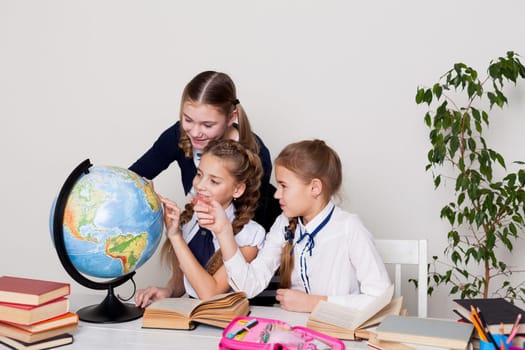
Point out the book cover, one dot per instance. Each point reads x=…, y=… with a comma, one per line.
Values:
x=347, y=323
x=494, y=311
x=425, y=331
x=29, y=314
x=29, y=291
x=55, y=322
x=53, y=342
x=183, y=313
x=11, y=331
x=377, y=344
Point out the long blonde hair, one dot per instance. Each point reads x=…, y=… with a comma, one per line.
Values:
x=245, y=167
x=217, y=90
x=308, y=160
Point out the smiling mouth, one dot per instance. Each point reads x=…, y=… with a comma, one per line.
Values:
x=199, y=140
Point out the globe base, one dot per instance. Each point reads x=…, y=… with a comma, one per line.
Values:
x=111, y=310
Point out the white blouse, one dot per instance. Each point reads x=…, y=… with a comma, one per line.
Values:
x=252, y=234
x=344, y=264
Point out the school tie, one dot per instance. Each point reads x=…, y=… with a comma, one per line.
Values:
x=202, y=246
x=310, y=244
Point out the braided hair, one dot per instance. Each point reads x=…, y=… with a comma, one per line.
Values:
x=245, y=167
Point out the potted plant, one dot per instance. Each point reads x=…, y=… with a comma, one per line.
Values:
x=487, y=213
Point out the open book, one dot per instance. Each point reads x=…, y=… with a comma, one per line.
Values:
x=348, y=323
x=183, y=313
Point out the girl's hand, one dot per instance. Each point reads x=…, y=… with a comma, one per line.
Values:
x=171, y=217
x=211, y=215
x=296, y=300
x=144, y=297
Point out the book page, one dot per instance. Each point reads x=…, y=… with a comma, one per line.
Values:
x=393, y=308
x=350, y=318
x=182, y=305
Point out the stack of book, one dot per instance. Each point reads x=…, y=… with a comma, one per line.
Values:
x=493, y=316
x=35, y=313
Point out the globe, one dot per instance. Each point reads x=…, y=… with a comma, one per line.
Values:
x=106, y=222
x=112, y=222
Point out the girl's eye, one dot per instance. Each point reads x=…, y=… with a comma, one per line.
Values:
x=214, y=182
x=208, y=126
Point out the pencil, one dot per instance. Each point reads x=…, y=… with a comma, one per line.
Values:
x=514, y=329
x=480, y=331
x=485, y=326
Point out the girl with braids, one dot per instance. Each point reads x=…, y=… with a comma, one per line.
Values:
x=209, y=110
x=324, y=252
x=230, y=175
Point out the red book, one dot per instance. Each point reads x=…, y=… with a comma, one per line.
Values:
x=52, y=323
x=29, y=314
x=29, y=291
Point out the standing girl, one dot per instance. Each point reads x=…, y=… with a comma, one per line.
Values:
x=228, y=174
x=324, y=252
x=209, y=110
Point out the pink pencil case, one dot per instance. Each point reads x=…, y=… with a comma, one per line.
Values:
x=255, y=333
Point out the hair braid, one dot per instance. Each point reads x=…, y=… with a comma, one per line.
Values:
x=246, y=167
x=287, y=257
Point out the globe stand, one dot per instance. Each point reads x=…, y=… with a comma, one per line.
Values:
x=111, y=310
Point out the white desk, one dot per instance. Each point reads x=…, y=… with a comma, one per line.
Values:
x=130, y=335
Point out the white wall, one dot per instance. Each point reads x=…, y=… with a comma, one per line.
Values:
x=101, y=80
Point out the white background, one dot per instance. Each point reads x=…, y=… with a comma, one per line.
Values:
x=102, y=79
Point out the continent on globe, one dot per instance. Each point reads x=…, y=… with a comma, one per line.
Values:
x=127, y=248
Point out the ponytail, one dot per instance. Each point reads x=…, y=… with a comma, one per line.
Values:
x=246, y=136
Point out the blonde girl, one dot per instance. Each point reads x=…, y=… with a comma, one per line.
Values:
x=230, y=175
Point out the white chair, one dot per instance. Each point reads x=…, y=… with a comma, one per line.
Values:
x=403, y=252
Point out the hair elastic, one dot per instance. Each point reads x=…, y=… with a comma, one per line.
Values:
x=236, y=102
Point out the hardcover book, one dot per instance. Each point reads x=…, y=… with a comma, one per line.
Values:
x=183, y=313
x=53, y=342
x=29, y=314
x=18, y=290
x=55, y=322
x=425, y=331
x=11, y=331
x=350, y=324
x=494, y=312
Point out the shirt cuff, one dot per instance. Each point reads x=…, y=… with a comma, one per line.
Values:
x=236, y=260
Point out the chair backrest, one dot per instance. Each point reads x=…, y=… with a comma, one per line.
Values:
x=402, y=252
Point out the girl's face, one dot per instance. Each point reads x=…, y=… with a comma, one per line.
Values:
x=203, y=123
x=294, y=195
x=214, y=180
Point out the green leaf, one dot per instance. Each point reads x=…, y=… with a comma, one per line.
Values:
x=437, y=181
x=428, y=119
x=420, y=95
x=437, y=90
x=428, y=96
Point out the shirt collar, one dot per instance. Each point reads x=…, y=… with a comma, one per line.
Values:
x=316, y=221
x=230, y=212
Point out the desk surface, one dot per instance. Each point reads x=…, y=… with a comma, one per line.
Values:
x=130, y=335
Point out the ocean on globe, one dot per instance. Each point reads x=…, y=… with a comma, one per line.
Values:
x=112, y=222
